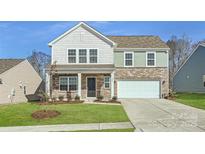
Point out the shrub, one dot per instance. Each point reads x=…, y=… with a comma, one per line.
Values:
x=60, y=97
x=100, y=97
x=114, y=98
x=77, y=98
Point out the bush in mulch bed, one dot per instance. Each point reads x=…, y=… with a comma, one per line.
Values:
x=43, y=114
x=57, y=103
x=109, y=101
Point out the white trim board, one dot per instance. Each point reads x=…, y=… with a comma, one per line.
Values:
x=88, y=27
x=203, y=45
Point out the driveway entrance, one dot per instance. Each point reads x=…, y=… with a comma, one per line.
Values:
x=160, y=115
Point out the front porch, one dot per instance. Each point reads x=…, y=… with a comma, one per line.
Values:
x=89, y=83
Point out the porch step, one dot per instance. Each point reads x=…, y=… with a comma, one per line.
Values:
x=90, y=99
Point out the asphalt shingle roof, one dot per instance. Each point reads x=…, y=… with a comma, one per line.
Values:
x=138, y=41
x=6, y=64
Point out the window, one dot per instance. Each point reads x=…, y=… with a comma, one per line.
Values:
x=71, y=56
x=82, y=56
x=107, y=81
x=73, y=83
x=204, y=80
x=128, y=59
x=151, y=58
x=68, y=83
x=63, y=83
x=93, y=55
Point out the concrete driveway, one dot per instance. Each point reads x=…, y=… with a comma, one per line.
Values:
x=160, y=115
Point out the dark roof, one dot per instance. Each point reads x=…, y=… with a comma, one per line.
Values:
x=6, y=64
x=138, y=41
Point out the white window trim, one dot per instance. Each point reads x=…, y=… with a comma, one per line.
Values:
x=88, y=55
x=76, y=54
x=67, y=83
x=107, y=82
x=132, y=59
x=82, y=56
x=97, y=55
x=155, y=58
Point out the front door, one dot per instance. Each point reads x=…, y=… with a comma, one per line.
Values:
x=91, y=87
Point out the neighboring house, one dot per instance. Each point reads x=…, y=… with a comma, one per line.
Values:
x=90, y=64
x=191, y=75
x=17, y=80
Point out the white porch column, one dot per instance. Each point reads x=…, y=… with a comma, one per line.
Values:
x=79, y=85
x=112, y=84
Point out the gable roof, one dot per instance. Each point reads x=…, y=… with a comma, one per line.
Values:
x=146, y=41
x=200, y=44
x=6, y=64
x=87, y=27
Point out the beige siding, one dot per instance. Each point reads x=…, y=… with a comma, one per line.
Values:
x=81, y=38
x=11, y=79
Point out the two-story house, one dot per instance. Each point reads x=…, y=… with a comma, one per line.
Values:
x=88, y=64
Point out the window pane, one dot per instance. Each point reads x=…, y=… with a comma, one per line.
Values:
x=73, y=83
x=107, y=79
x=128, y=62
x=71, y=59
x=71, y=56
x=72, y=52
x=150, y=62
x=82, y=60
x=107, y=85
x=93, y=52
x=150, y=56
x=128, y=56
x=82, y=52
x=63, y=84
x=93, y=59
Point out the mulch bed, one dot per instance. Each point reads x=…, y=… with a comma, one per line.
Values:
x=57, y=103
x=44, y=114
x=110, y=101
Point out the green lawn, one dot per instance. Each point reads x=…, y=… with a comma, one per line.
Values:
x=20, y=114
x=191, y=99
x=109, y=130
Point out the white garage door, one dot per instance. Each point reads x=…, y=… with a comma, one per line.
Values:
x=138, y=89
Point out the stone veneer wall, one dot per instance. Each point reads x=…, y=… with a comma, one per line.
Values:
x=106, y=93
x=144, y=74
x=56, y=91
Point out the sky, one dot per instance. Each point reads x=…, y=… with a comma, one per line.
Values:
x=18, y=39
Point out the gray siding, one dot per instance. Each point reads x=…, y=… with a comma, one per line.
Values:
x=190, y=76
x=81, y=38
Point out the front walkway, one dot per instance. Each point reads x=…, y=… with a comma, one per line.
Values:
x=67, y=127
x=160, y=115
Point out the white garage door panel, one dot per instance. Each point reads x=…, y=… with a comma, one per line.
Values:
x=138, y=89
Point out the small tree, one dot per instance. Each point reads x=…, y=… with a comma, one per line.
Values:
x=52, y=71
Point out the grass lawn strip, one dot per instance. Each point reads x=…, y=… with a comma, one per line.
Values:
x=20, y=114
x=196, y=100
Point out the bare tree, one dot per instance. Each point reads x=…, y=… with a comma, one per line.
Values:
x=180, y=48
x=39, y=61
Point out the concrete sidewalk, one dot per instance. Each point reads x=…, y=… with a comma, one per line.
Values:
x=67, y=127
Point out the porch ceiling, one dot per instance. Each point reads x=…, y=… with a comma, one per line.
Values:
x=84, y=68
